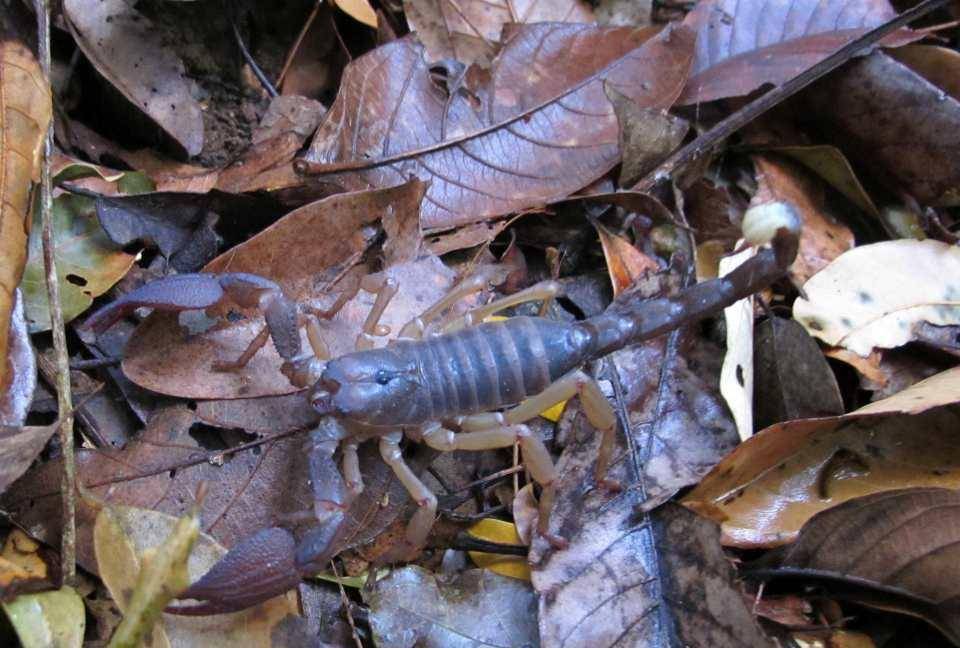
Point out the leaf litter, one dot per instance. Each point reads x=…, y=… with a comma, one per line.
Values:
x=415, y=142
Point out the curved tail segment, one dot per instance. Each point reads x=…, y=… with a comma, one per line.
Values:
x=629, y=320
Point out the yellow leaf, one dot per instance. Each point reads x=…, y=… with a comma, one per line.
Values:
x=50, y=619
x=359, y=10
x=504, y=533
x=26, y=110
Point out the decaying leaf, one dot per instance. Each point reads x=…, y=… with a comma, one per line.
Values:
x=20, y=376
x=26, y=566
x=469, y=32
x=26, y=113
x=127, y=50
x=19, y=446
x=88, y=263
x=895, y=122
x=54, y=618
x=742, y=45
x=875, y=296
x=625, y=263
x=413, y=607
x=766, y=489
x=793, y=380
x=542, y=128
x=897, y=550
x=126, y=536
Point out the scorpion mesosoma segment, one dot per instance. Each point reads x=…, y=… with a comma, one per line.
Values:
x=483, y=380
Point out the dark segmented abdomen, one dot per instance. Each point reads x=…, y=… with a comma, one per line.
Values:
x=492, y=365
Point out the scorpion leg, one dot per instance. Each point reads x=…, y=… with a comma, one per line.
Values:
x=385, y=291
x=270, y=562
x=536, y=459
x=486, y=275
x=598, y=410
x=422, y=521
x=545, y=290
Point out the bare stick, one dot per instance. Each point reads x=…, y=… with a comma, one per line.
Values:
x=68, y=551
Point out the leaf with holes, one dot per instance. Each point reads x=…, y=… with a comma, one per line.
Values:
x=537, y=128
x=88, y=263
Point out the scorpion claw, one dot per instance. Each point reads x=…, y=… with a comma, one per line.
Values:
x=255, y=570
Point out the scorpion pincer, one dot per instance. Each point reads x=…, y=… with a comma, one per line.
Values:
x=483, y=380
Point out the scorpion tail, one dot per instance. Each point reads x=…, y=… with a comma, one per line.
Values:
x=255, y=570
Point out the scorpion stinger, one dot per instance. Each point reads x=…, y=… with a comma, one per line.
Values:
x=489, y=378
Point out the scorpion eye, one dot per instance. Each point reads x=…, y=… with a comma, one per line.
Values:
x=382, y=377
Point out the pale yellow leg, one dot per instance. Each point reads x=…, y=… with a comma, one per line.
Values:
x=487, y=275
x=351, y=467
x=372, y=328
x=255, y=345
x=545, y=290
x=536, y=459
x=422, y=521
x=598, y=410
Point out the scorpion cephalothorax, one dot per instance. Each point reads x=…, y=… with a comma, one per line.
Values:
x=428, y=386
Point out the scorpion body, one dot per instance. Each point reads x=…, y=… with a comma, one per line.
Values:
x=425, y=387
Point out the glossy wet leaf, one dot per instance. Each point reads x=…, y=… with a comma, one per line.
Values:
x=897, y=550
x=88, y=262
x=766, y=489
x=48, y=620
x=123, y=45
x=875, y=296
x=542, y=128
x=411, y=606
x=26, y=112
x=742, y=45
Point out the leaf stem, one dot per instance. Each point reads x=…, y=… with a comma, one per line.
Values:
x=68, y=553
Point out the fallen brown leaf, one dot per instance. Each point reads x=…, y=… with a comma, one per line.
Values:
x=21, y=369
x=23, y=126
x=898, y=550
x=895, y=122
x=539, y=129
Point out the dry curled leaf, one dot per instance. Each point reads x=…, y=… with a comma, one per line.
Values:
x=26, y=113
x=766, y=489
x=537, y=130
x=876, y=296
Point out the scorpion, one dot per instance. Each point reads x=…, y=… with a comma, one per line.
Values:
x=470, y=386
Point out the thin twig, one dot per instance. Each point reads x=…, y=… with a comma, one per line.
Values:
x=257, y=72
x=68, y=554
x=704, y=144
x=296, y=44
x=346, y=605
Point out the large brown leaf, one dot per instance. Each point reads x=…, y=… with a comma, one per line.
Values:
x=896, y=122
x=538, y=129
x=766, y=489
x=26, y=111
x=897, y=550
x=742, y=45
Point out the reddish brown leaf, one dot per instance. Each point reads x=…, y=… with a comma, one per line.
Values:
x=163, y=357
x=537, y=130
x=742, y=45
x=897, y=123
x=625, y=263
